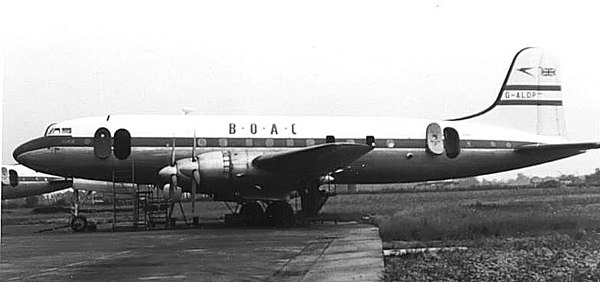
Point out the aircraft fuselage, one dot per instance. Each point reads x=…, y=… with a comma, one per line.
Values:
x=400, y=151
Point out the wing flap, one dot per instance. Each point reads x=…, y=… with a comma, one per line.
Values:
x=532, y=148
x=317, y=159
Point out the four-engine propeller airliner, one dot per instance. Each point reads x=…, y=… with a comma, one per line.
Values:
x=252, y=159
x=19, y=182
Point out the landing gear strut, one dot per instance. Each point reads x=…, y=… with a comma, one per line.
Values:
x=312, y=200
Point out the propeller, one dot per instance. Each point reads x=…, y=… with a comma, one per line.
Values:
x=169, y=173
x=183, y=168
x=190, y=168
x=195, y=175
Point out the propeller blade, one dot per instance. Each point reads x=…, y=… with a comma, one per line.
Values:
x=193, y=198
x=174, y=181
x=194, y=157
x=173, y=185
x=173, y=153
x=196, y=177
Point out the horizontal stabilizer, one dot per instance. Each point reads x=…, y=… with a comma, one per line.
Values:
x=531, y=148
x=318, y=159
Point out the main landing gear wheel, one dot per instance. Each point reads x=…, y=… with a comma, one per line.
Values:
x=79, y=223
x=280, y=214
x=253, y=214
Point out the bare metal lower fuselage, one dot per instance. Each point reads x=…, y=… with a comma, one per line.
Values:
x=381, y=165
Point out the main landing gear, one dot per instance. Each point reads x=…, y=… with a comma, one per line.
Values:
x=276, y=213
x=280, y=214
x=312, y=200
x=252, y=214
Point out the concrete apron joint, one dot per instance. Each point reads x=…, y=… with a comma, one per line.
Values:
x=354, y=256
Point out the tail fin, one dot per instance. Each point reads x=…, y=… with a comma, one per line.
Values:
x=530, y=98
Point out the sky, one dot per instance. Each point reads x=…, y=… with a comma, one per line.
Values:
x=425, y=59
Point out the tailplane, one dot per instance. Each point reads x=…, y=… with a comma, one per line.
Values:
x=530, y=99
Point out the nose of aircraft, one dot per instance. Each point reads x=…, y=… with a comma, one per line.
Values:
x=20, y=153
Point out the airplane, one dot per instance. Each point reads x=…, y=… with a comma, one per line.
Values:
x=19, y=181
x=261, y=161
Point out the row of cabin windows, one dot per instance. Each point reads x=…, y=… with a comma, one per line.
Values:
x=389, y=143
x=224, y=142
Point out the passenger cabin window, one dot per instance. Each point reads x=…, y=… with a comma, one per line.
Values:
x=390, y=143
x=269, y=142
x=289, y=142
x=451, y=142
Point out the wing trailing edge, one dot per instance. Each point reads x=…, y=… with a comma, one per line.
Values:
x=317, y=159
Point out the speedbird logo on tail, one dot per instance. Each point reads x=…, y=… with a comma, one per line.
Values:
x=526, y=71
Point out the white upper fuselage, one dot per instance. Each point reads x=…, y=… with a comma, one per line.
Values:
x=357, y=128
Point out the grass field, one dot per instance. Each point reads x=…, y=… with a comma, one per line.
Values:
x=512, y=235
x=469, y=214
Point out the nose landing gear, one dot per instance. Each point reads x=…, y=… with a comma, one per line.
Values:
x=78, y=223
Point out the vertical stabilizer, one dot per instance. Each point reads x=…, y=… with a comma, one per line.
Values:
x=530, y=98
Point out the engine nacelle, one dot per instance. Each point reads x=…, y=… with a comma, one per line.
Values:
x=215, y=165
x=223, y=168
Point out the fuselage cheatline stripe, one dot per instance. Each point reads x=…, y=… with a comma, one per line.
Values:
x=183, y=142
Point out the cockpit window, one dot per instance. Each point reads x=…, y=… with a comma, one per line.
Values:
x=49, y=129
x=52, y=130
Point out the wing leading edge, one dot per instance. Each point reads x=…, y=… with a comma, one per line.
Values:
x=317, y=159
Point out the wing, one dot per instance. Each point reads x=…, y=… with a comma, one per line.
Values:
x=535, y=148
x=317, y=159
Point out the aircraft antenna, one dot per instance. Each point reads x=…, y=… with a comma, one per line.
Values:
x=187, y=110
